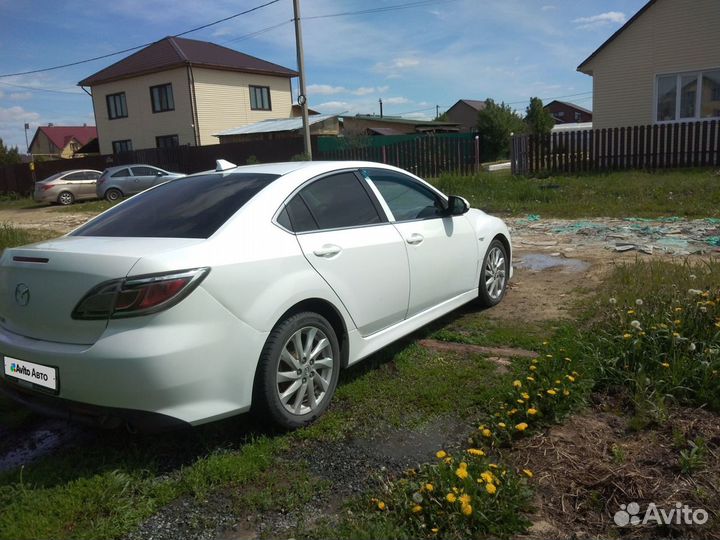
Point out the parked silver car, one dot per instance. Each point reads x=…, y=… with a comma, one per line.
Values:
x=117, y=182
x=67, y=187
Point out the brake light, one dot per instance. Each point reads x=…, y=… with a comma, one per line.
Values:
x=45, y=187
x=138, y=295
x=101, y=179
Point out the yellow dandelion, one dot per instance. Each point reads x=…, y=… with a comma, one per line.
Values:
x=462, y=465
x=522, y=426
x=488, y=477
x=520, y=401
x=501, y=425
x=451, y=497
x=546, y=342
x=677, y=321
x=429, y=487
x=490, y=488
x=441, y=454
x=466, y=509
x=631, y=312
x=517, y=384
x=678, y=309
x=512, y=411
x=676, y=335
x=665, y=365
x=448, y=460
x=461, y=473
x=533, y=368
x=465, y=499
x=568, y=359
x=486, y=432
x=531, y=411
x=551, y=392
x=566, y=393
x=548, y=356
x=528, y=473
x=435, y=530
x=530, y=379
x=570, y=378
x=416, y=509
x=525, y=395
x=493, y=466
x=381, y=505
x=627, y=336
x=475, y=452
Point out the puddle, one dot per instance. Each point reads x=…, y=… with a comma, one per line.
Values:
x=540, y=261
x=45, y=439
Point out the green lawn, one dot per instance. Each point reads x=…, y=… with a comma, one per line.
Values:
x=690, y=193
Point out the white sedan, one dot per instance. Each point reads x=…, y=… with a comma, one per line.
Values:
x=246, y=287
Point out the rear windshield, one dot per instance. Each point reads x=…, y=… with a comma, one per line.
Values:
x=190, y=207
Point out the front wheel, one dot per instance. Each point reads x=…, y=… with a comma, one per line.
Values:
x=494, y=274
x=298, y=371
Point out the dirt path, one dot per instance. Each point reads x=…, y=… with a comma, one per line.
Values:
x=48, y=218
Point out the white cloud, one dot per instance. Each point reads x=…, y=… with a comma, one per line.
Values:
x=395, y=100
x=393, y=68
x=329, y=90
x=325, y=89
x=332, y=106
x=17, y=114
x=603, y=19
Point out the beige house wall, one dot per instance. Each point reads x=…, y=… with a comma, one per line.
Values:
x=223, y=100
x=142, y=125
x=43, y=146
x=672, y=36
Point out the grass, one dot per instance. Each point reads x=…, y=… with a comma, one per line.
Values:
x=93, y=207
x=690, y=193
x=11, y=236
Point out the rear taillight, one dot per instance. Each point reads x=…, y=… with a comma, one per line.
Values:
x=100, y=180
x=45, y=187
x=138, y=295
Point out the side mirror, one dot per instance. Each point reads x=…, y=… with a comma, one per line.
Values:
x=457, y=206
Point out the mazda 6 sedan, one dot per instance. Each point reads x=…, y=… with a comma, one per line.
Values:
x=236, y=289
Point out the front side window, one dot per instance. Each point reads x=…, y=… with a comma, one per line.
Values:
x=260, y=98
x=116, y=105
x=167, y=141
x=406, y=198
x=193, y=207
x=333, y=202
x=122, y=146
x=688, y=96
x=162, y=98
x=144, y=171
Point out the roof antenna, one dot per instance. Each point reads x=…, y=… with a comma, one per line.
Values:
x=222, y=165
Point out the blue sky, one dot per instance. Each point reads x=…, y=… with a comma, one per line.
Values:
x=414, y=59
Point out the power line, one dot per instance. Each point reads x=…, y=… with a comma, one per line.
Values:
x=379, y=10
x=70, y=64
x=258, y=32
x=43, y=89
x=546, y=98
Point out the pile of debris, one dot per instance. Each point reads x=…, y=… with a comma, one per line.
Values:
x=672, y=235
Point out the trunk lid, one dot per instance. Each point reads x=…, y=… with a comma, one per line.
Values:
x=40, y=284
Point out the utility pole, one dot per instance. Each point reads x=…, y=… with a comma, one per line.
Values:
x=302, y=98
x=381, y=114
x=27, y=126
x=437, y=112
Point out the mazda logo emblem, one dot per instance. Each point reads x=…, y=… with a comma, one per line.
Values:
x=22, y=294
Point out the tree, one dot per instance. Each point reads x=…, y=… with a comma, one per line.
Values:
x=9, y=156
x=538, y=119
x=495, y=124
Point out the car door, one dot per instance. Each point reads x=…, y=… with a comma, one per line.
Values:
x=143, y=177
x=442, y=249
x=346, y=237
x=87, y=185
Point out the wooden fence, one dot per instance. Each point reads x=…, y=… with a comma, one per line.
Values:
x=427, y=156
x=694, y=144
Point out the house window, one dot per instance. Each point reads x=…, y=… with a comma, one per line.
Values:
x=260, y=98
x=162, y=98
x=117, y=108
x=560, y=114
x=122, y=146
x=167, y=141
x=578, y=116
x=688, y=96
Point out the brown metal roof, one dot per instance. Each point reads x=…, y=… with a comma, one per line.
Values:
x=171, y=52
x=624, y=27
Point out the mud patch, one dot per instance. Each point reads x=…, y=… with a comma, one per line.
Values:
x=541, y=261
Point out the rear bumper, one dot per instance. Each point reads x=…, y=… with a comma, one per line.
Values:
x=193, y=363
x=92, y=415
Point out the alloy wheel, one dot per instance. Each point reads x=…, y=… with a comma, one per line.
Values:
x=495, y=273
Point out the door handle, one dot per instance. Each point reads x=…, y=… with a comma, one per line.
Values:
x=327, y=251
x=415, y=239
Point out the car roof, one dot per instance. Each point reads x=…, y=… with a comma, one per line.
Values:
x=315, y=167
x=116, y=167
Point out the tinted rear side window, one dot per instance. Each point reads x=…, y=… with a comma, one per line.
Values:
x=339, y=201
x=120, y=173
x=191, y=207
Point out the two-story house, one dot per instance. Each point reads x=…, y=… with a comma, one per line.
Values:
x=180, y=91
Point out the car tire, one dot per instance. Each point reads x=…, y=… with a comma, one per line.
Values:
x=288, y=371
x=113, y=195
x=66, y=198
x=493, y=275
